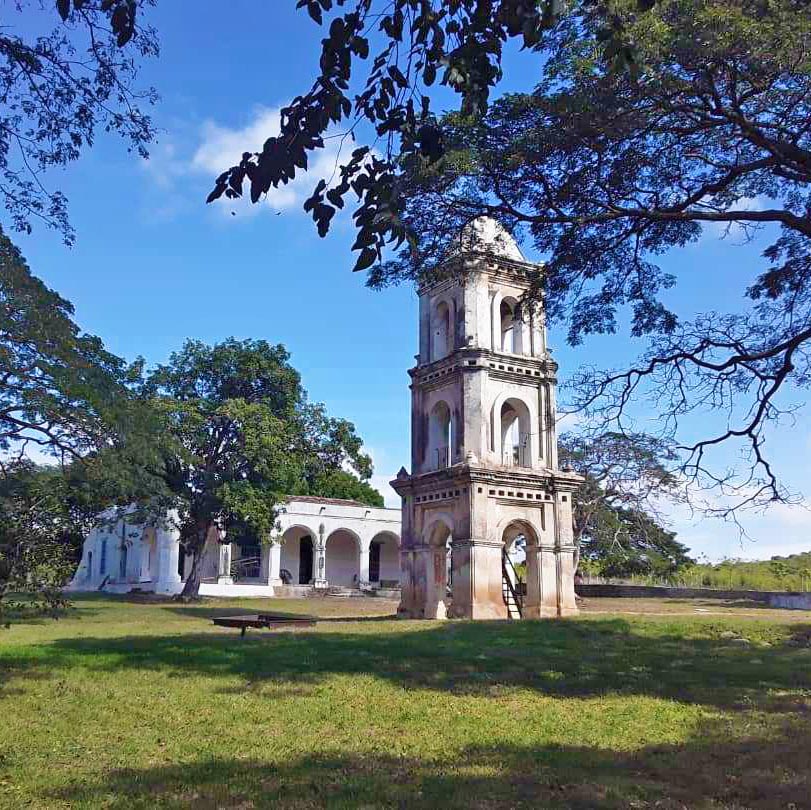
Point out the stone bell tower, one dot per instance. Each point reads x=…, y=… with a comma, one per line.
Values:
x=484, y=468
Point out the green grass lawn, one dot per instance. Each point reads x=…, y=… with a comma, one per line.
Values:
x=126, y=705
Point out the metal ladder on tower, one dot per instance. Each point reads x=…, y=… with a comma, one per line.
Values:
x=512, y=589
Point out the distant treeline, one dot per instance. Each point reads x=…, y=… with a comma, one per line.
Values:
x=792, y=573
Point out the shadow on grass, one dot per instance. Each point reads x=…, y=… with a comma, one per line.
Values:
x=709, y=604
x=34, y=617
x=767, y=770
x=206, y=612
x=568, y=658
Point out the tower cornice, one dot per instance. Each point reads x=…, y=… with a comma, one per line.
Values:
x=477, y=262
x=508, y=479
x=500, y=365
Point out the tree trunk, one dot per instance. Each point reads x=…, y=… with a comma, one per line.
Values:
x=191, y=588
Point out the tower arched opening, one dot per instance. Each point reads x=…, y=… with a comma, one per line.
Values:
x=439, y=436
x=442, y=337
x=514, y=423
x=510, y=326
x=440, y=578
x=517, y=537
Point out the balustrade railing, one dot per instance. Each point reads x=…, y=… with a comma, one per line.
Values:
x=516, y=456
x=246, y=568
x=442, y=457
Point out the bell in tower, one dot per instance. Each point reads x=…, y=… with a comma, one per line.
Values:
x=484, y=485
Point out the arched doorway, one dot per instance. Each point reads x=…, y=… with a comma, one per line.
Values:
x=103, y=558
x=518, y=536
x=439, y=436
x=296, y=564
x=342, y=551
x=440, y=572
x=384, y=559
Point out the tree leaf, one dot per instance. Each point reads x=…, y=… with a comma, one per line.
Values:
x=366, y=259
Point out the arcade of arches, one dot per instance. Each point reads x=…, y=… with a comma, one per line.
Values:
x=348, y=560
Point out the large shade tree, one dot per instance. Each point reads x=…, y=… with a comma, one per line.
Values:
x=649, y=121
x=344, y=485
x=65, y=400
x=240, y=436
x=44, y=515
x=61, y=392
x=619, y=525
x=68, y=69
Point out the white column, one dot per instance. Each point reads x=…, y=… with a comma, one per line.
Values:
x=145, y=575
x=552, y=430
x=167, y=545
x=425, y=330
x=363, y=567
x=272, y=563
x=538, y=334
x=524, y=328
x=495, y=321
x=224, y=567
x=320, y=559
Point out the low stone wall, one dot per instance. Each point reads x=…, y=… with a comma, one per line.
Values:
x=778, y=599
x=790, y=601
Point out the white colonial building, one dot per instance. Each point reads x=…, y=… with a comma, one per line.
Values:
x=321, y=543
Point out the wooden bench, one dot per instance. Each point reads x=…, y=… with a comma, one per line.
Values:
x=269, y=620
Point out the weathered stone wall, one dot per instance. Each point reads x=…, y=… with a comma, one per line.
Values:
x=663, y=592
x=790, y=601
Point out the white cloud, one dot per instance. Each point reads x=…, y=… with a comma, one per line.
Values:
x=165, y=165
x=204, y=151
x=222, y=146
x=738, y=230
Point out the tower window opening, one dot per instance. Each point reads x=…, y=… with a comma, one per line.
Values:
x=511, y=326
x=442, y=331
x=515, y=443
x=439, y=436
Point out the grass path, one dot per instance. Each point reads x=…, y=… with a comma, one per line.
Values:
x=124, y=705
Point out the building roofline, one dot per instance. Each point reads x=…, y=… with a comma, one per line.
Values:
x=316, y=499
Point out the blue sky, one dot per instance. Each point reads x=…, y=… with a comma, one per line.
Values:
x=153, y=264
